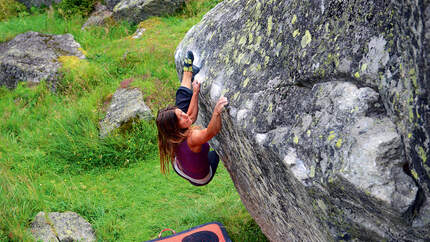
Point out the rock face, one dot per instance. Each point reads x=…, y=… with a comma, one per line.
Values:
x=100, y=16
x=126, y=104
x=33, y=57
x=38, y=3
x=138, y=10
x=326, y=136
x=67, y=226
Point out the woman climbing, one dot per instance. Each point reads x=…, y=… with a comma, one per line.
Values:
x=183, y=145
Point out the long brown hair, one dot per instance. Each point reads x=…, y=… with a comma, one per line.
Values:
x=169, y=136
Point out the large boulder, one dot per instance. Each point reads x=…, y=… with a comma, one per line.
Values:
x=139, y=10
x=38, y=3
x=125, y=106
x=67, y=226
x=33, y=57
x=326, y=136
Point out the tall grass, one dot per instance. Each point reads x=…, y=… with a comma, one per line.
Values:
x=52, y=158
x=10, y=8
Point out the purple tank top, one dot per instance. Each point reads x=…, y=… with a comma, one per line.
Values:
x=195, y=165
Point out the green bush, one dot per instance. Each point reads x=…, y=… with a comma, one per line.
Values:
x=68, y=8
x=10, y=8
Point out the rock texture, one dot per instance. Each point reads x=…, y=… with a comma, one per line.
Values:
x=100, y=16
x=110, y=4
x=139, y=33
x=67, y=226
x=38, y=3
x=126, y=105
x=139, y=10
x=33, y=57
x=326, y=136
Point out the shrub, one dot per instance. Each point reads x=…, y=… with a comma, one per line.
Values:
x=10, y=8
x=68, y=8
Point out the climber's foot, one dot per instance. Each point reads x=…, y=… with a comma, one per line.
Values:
x=188, y=61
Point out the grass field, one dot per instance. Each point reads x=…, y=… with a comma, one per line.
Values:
x=52, y=159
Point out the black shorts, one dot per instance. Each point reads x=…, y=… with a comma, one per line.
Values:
x=183, y=98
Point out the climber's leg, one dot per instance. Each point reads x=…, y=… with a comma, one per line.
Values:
x=189, y=67
x=186, y=79
x=213, y=161
x=184, y=93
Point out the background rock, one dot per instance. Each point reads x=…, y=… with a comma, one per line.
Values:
x=139, y=33
x=100, y=16
x=33, y=57
x=38, y=3
x=67, y=226
x=127, y=104
x=110, y=4
x=327, y=131
x=139, y=10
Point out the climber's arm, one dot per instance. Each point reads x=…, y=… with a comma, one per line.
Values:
x=199, y=137
x=193, y=109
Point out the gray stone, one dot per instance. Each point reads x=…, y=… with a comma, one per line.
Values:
x=38, y=3
x=139, y=10
x=423, y=218
x=100, y=16
x=127, y=104
x=110, y=4
x=67, y=226
x=326, y=136
x=139, y=33
x=33, y=57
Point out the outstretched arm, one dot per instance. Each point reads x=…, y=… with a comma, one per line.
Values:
x=199, y=137
x=193, y=109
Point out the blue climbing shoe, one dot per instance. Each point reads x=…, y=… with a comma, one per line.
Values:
x=188, y=61
x=188, y=64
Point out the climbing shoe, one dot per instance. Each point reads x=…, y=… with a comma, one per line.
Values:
x=188, y=64
x=195, y=71
x=188, y=61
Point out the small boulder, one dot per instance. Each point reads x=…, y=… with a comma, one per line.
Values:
x=127, y=104
x=139, y=33
x=139, y=10
x=100, y=16
x=33, y=57
x=67, y=226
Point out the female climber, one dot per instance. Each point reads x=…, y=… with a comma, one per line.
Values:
x=183, y=145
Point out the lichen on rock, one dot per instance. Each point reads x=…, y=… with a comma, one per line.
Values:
x=139, y=10
x=125, y=106
x=327, y=131
x=66, y=226
x=33, y=57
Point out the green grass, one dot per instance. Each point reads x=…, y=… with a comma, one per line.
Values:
x=52, y=159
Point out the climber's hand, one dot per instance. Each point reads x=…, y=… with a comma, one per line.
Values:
x=220, y=105
x=196, y=86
